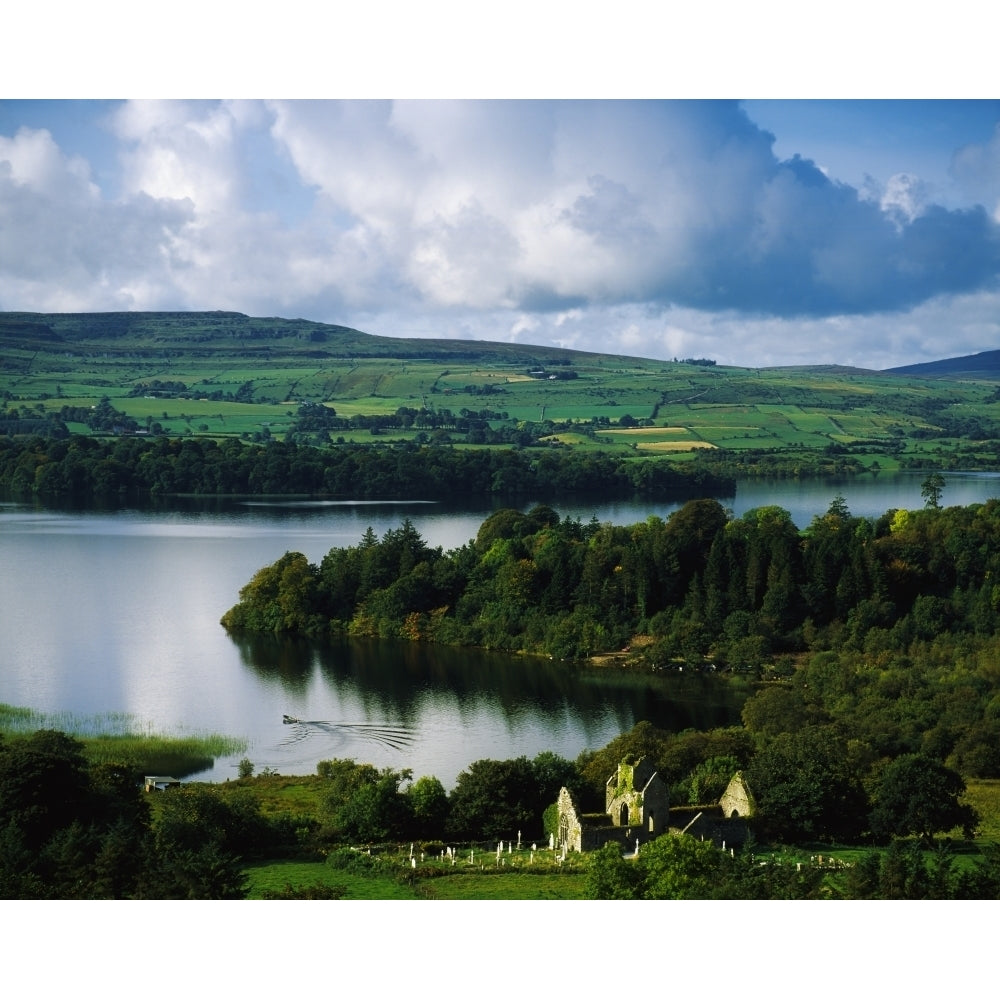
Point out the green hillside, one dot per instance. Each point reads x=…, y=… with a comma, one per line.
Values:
x=984, y=365
x=222, y=374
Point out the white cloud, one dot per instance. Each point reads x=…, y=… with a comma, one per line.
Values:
x=32, y=160
x=642, y=228
x=904, y=198
x=179, y=151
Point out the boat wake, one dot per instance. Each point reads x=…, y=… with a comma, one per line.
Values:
x=392, y=737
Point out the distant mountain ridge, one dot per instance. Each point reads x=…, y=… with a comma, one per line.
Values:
x=236, y=333
x=986, y=364
x=221, y=333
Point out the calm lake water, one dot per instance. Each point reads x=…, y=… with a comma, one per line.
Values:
x=119, y=611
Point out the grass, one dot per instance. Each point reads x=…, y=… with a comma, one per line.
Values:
x=434, y=878
x=279, y=875
x=514, y=886
x=119, y=736
x=277, y=794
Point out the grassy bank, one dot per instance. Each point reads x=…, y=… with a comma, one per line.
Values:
x=119, y=736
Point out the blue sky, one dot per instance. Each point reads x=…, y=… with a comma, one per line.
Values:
x=753, y=232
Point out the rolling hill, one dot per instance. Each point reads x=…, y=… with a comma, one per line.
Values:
x=226, y=374
x=235, y=334
x=985, y=365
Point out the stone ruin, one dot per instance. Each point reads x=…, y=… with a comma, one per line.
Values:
x=637, y=810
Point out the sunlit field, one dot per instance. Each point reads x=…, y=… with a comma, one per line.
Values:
x=221, y=377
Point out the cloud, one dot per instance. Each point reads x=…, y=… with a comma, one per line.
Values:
x=661, y=228
x=64, y=247
x=976, y=167
x=542, y=205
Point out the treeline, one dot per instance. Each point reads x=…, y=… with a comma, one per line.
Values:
x=761, y=463
x=703, y=586
x=87, y=468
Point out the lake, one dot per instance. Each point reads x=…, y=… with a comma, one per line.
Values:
x=118, y=612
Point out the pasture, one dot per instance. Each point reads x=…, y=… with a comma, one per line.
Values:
x=224, y=375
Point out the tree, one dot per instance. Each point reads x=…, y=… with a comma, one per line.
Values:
x=931, y=489
x=709, y=779
x=553, y=772
x=68, y=830
x=281, y=597
x=429, y=807
x=919, y=795
x=611, y=876
x=681, y=867
x=377, y=810
x=774, y=710
x=364, y=802
x=494, y=799
x=44, y=785
x=806, y=787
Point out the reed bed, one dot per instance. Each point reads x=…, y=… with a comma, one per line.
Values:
x=117, y=737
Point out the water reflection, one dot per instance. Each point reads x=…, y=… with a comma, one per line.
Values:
x=402, y=684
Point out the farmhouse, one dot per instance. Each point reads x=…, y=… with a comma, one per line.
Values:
x=637, y=810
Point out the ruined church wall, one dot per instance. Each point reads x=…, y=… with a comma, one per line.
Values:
x=736, y=799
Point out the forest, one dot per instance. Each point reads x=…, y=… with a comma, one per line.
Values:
x=698, y=590
x=102, y=469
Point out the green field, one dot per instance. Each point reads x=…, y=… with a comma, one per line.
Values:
x=225, y=375
x=437, y=880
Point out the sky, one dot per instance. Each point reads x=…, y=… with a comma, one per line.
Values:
x=753, y=232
